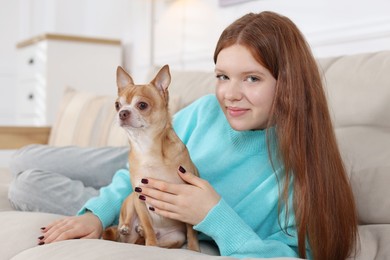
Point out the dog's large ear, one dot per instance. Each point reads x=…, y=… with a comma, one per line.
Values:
x=162, y=79
x=123, y=79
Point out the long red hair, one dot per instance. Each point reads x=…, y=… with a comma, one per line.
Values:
x=323, y=202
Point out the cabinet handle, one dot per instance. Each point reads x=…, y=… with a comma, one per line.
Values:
x=31, y=61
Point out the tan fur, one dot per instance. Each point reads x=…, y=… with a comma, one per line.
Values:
x=155, y=152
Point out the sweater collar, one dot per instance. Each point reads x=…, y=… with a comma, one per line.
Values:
x=254, y=142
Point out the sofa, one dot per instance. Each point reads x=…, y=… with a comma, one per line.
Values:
x=358, y=90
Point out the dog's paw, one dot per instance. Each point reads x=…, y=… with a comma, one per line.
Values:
x=140, y=230
x=124, y=230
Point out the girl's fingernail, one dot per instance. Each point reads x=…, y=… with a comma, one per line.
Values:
x=145, y=181
x=182, y=170
x=142, y=197
x=151, y=208
x=138, y=189
x=41, y=243
x=43, y=228
x=41, y=237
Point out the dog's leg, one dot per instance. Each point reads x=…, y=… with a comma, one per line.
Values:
x=127, y=221
x=145, y=221
x=175, y=239
x=192, y=239
x=174, y=242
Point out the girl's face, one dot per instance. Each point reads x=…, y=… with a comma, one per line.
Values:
x=245, y=89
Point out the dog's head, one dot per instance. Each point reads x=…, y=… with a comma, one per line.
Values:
x=143, y=107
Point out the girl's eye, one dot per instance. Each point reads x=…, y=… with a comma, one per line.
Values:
x=142, y=105
x=222, y=77
x=117, y=106
x=253, y=79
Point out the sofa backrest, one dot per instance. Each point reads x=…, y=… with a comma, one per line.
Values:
x=358, y=88
x=85, y=119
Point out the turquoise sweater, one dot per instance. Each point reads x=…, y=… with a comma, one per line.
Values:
x=245, y=222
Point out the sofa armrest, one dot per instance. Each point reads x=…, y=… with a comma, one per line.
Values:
x=14, y=137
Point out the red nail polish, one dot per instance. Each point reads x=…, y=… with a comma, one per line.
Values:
x=41, y=237
x=182, y=170
x=142, y=197
x=145, y=181
x=138, y=189
x=151, y=208
x=41, y=243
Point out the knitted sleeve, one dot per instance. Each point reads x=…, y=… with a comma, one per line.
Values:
x=107, y=205
x=235, y=238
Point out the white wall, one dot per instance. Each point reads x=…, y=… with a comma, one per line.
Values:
x=187, y=30
x=8, y=30
x=102, y=18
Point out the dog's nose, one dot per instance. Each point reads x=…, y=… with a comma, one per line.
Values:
x=124, y=114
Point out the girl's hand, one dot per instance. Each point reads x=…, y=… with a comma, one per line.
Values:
x=189, y=202
x=84, y=226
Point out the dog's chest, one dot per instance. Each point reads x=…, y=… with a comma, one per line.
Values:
x=155, y=168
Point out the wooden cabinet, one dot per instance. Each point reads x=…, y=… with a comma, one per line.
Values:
x=48, y=63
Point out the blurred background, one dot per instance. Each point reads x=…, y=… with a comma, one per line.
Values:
x=47, y=44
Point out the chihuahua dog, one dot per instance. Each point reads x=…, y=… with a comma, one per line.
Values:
x=155, y=151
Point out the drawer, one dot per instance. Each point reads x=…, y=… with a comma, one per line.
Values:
x=31, y=61
x=31, y=98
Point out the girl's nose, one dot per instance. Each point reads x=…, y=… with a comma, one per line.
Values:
x=233, y=91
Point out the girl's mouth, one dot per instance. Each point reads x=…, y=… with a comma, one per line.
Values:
x=236, y=111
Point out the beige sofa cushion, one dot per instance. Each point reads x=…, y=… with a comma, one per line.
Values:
x=5, y=179
x=85, y=119
x=21, y=230
x=103, y=249
x=24, y=227
x=366, y=154
x=373, y=243
x=358, y=88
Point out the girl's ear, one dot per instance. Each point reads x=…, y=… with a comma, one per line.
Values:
x=162, y=79
x=123, y=79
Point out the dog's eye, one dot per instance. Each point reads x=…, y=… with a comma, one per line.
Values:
x=117, y=106
x=142, y=105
